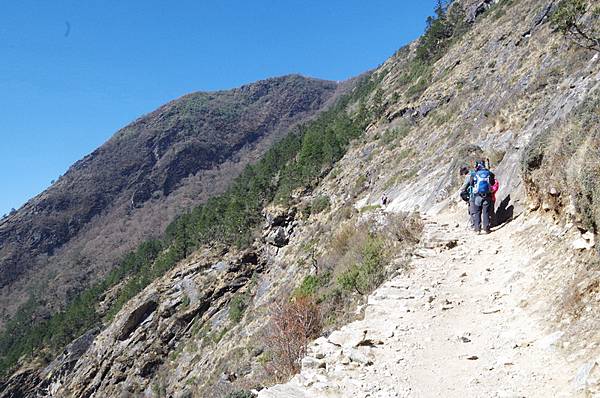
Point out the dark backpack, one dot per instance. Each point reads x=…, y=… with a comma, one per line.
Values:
x=465, y=195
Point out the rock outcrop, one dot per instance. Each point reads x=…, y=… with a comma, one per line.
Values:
x=127, y=355
x=280, y=224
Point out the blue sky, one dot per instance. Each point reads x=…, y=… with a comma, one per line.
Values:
x=73, y=72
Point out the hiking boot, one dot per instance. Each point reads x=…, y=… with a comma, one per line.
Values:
x=487, y=232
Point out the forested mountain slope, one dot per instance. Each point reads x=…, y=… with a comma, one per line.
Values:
x=131, y=187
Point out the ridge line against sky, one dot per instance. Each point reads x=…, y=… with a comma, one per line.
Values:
x=76, y=72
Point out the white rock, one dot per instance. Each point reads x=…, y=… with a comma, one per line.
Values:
x=347, y=338
x=581, y=379
x=311, y=363
x=582, y=244
x=548, y=341
x=359, y=357
x=590, y=237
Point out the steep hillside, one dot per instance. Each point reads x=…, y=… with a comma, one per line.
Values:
x=222, y=228
x=515, y=90
x=299, y=244
x=127, y=190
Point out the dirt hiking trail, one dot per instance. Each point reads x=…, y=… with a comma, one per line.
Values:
x=456, y=324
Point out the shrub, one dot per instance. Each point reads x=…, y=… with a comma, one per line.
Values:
x=404, y=228
x=368, y=208
x=319, y=204
x=237, y=307
x=566, y=157
x=293, y=324
x=241, y=394
x=364, y=276
x=311, y=284
x=341, y=240
x=378, y=103
x=308, y=287
x=420, y=84
x=393, y=135
x=216, y=336
x=359, y=184
x=570, y=19
x=185, y=301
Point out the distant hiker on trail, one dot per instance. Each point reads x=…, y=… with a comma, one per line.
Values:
x=384, y=200
x=478, y=186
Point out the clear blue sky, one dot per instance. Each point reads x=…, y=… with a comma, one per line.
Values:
x=73, y=72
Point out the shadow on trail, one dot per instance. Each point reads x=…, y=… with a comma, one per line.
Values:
x=504, y=213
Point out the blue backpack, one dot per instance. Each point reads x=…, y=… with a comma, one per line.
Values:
x=482, y=182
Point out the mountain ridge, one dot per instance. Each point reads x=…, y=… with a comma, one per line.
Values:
x=151, y=156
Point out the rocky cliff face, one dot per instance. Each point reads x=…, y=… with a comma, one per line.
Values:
x=202, y=330
x=127, y=190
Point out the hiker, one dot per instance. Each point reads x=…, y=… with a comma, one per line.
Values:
x=465, y=195
x=493, y=190
x=384, y=200
x=479, y=183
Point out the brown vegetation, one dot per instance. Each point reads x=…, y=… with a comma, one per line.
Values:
x=293, y=324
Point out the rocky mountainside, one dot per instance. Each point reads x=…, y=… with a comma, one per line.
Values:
x=131, y=187
x=489, y=79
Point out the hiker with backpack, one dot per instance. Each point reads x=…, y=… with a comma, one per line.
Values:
x=465, y=195
x=478, y=189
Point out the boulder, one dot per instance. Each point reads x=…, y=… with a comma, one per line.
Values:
x=278, y=216
x=347, y=338
x=136, y=317
x=550, y=340
x=427, y=107
x=312, y=363
x=585, y=242
x=478, y=8
x=278, y=237
x=249, y=258
x=65, y=362
x=359, y=357
x=581, y=378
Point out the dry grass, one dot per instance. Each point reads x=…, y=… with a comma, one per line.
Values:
x=342, y=239
x=577, y=298
x=495, y=156
x=405, y=228
x=567, y=159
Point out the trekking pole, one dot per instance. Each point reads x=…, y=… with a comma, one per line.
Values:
x=489, y=165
